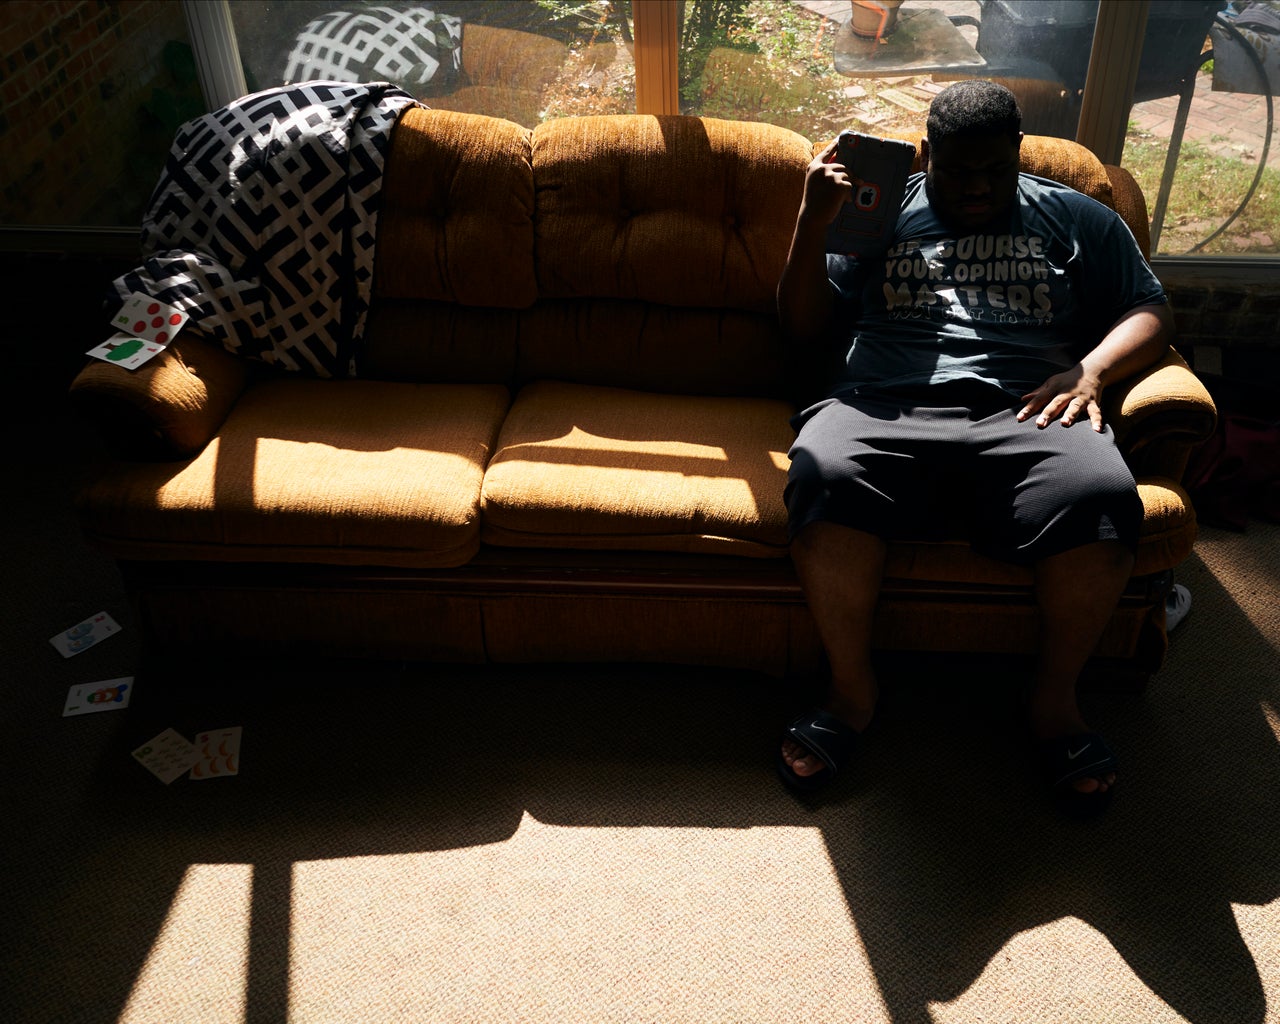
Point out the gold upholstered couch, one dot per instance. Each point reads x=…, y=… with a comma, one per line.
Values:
x=567, y=440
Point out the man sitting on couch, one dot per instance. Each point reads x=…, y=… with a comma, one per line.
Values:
x=1004, y=306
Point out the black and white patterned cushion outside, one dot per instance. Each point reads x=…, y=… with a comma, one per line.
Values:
x=414, y=47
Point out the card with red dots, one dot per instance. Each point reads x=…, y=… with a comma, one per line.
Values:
x=149, y=319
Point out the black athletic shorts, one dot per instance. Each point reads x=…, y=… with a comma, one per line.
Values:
x=907, y=466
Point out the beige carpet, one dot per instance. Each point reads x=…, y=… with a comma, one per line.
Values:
x=418, y=843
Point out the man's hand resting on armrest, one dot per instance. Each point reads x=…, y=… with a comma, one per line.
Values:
x=1137, y=340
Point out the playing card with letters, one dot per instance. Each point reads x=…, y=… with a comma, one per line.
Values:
x=167, y=756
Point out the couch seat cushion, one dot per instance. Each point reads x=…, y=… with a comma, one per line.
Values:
x=349, y=472
x=1167, y=534
x=583, y=466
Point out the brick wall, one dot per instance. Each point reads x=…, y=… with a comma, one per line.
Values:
x=76, y=80
x=1225, y=314
x=1228, y=325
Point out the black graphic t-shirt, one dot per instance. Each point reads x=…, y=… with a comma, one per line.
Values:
x=1011, y=307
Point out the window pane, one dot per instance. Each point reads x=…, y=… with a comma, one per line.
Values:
x=817, y=65
x=1222, y=195
x=525, y=60
x=92, y=94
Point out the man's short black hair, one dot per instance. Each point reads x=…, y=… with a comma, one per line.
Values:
x=974, y=107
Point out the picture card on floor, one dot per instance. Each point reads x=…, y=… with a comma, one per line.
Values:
x=218, y=754
x=107, y=695
x=84, y=635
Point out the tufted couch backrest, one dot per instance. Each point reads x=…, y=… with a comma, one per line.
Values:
x=680, y=211
x=625, y=250
x=628, y=250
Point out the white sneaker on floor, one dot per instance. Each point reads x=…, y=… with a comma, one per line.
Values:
x=1176, y=606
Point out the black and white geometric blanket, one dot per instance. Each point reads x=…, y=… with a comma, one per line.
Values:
x=263, y=225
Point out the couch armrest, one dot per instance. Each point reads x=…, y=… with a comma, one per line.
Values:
x=1160, y=415
x=169, y=407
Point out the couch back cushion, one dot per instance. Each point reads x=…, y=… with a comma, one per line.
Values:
x=457, y=216
x=455, y=250
x=632, y=344
x=1069, y=163
x=678, y=211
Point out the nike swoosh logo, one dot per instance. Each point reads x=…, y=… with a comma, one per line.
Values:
x=1073, y=754
x=822, y=728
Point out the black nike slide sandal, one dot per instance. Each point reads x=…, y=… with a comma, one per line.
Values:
x=1066, y=759
x=821, y=733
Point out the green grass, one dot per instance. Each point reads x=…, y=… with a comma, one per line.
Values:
x=1207, y=190
x=780, y=68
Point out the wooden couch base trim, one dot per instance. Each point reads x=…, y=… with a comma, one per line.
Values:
x=743, y=615
x=561, y=573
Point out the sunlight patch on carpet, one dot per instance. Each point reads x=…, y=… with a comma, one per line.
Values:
x=573, y=923
x=1273, y=718
x=198, y=966
x=1257, y=924
x=1065, y=970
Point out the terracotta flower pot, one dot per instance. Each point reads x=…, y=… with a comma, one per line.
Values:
x=875, y=18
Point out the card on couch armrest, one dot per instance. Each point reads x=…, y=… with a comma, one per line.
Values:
x=171, y=406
